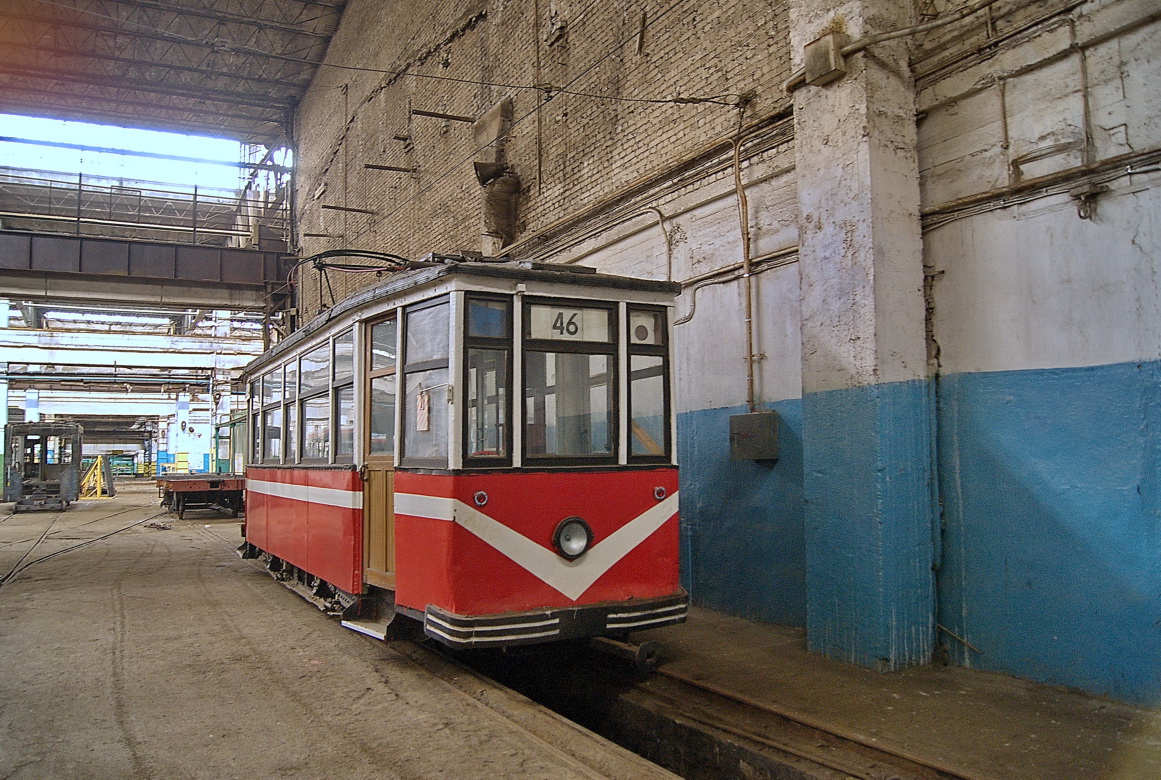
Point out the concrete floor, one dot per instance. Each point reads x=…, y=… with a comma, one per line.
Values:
x=155, y=652
x=979, y=724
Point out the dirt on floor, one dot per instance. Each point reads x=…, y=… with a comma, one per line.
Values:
x=137, y=645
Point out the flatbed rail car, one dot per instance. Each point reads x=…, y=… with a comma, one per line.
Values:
x=221, y=492
x=43, y=461
x=484, y=447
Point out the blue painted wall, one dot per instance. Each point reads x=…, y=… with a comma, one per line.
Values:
x=1052, y=547
x=742, y=522
x=870, y=519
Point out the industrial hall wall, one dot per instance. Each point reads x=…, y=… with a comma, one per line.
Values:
x=933, y=254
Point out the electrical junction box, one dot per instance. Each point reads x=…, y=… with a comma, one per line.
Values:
x=754, y=436
x=823, y=59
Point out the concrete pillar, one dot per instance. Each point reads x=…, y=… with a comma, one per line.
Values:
x=866, y=394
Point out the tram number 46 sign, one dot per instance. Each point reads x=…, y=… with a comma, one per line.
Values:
x=568, y=327
x=572, y=324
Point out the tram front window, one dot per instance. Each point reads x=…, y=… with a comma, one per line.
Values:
x=569, y=403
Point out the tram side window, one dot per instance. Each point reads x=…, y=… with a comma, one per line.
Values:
x=648, y=385
x=425, y=385
x=271, y=416
x=487, y=380
x=290, y=395
x=344, y=412
x=255, y=421
x=381, y=366
x=272, y=437
x=314, y=393
x=569, y=382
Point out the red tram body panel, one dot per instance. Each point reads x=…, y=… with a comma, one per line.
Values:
x=311, y=518
x=482, y=543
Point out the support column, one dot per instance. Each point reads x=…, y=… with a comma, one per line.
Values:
x=866, y=394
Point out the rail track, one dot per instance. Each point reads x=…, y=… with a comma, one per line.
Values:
x=699, y=730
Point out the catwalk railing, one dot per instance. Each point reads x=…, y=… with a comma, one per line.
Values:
x=53, y=202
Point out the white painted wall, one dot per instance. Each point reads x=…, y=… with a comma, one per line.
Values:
x=1025, y=282
x=1034, y=286
x=704, y=236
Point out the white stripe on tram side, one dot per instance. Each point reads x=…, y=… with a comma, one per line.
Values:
x=343, y=499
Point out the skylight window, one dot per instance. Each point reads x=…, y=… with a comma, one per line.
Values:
x=41, y=144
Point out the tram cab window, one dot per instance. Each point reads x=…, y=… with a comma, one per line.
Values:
x=569, y=381
x=649, y=426
x=425, y=384
x=487, y=379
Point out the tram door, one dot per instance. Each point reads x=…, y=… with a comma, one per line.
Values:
x=379, y=467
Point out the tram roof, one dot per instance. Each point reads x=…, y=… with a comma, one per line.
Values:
x=427, y=272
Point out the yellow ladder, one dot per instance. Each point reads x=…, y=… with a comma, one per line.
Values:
x=97, y=482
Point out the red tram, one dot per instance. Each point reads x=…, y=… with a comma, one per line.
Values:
x=485, y=447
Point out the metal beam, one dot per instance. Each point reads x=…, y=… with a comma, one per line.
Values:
x=246, y=129
x=126, y=350
x=250, y=119
x=221, y=16
x=73, y=54
x=50, y=287
x=157, y=36
x=190, y=92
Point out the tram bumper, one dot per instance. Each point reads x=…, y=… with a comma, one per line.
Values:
x=615, y=618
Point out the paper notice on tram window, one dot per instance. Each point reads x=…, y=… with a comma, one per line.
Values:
x=423, y=412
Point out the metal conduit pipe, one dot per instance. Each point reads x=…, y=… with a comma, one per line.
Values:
x=798, y=78
x=870, y=40
x=744, y=225
x=729, y=273
x=625, y=220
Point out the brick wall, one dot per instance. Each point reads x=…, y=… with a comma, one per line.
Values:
x=572, y=150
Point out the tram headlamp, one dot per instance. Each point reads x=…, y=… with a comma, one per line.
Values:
x=572, y=538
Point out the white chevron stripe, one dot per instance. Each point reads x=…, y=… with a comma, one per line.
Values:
x=344, y=499
x=571, y=578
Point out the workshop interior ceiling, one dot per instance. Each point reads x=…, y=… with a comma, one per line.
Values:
x=231, y=68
